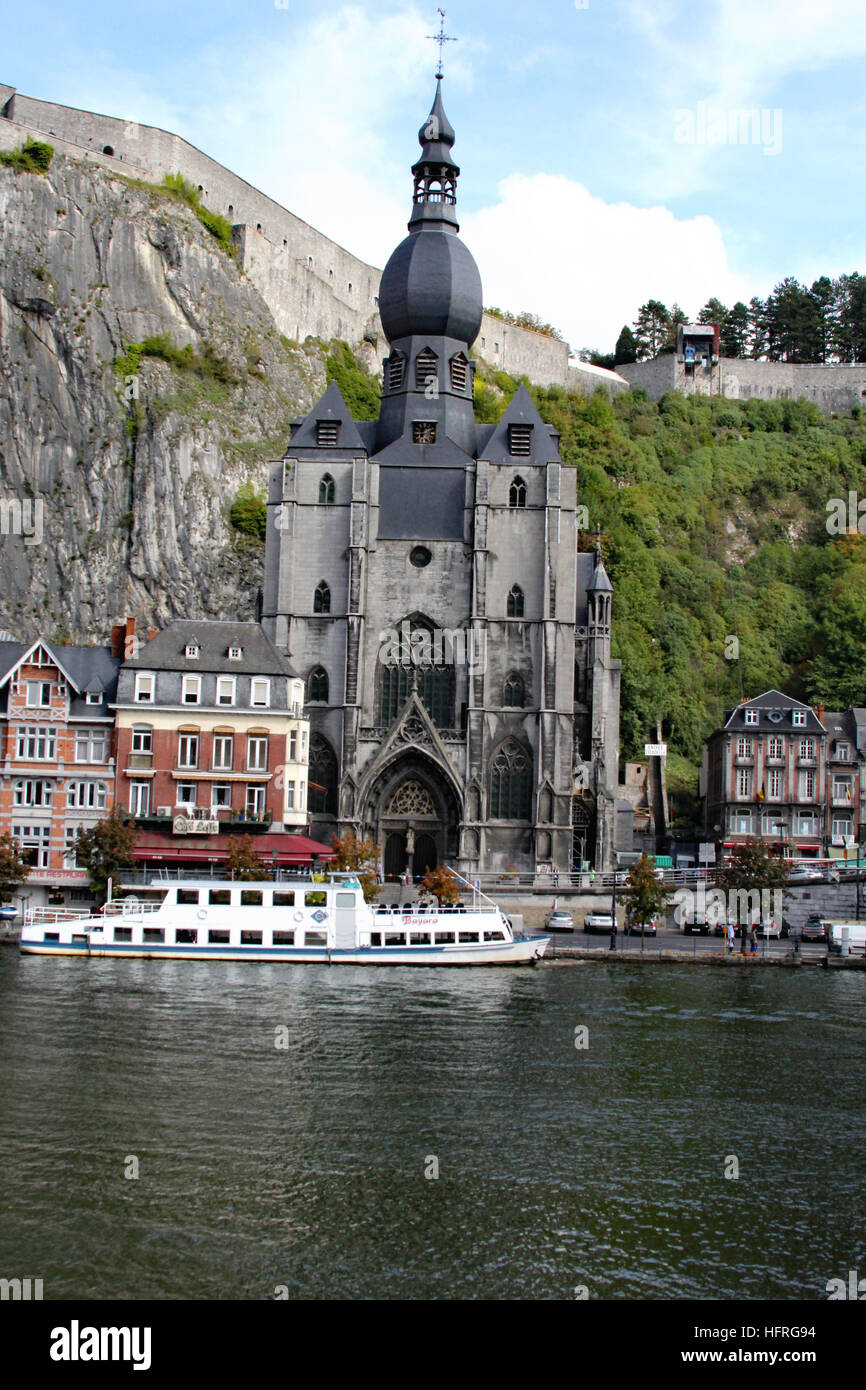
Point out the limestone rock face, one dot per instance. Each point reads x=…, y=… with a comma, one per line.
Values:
x=115, y=485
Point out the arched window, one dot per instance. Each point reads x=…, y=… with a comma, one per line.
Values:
x=426, y=367
x=517, y=493
x=435, y=679
x=326, y=490
x=317, y=685
x=515, y=602
x=322, y=598
x=510, y=783
x=396, y=362
x=513, y=691
x=322, y=796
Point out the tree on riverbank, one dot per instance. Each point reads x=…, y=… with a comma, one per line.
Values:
x=645, y=895
x=13, y=867
x=106, y=848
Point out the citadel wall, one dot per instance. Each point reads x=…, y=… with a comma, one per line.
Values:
x=833, y=388
x=312, y=285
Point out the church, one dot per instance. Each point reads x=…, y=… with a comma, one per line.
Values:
x=422, y=574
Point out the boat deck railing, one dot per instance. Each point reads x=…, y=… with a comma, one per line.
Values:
x=118, y=908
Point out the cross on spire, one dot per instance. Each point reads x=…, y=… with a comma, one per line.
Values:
x=441, y=38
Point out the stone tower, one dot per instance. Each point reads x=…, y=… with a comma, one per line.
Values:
x=422, y=571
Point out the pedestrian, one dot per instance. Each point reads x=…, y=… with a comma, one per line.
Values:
x=591, y=878
x=556, y=877
x=730, y=937
x=753, y=940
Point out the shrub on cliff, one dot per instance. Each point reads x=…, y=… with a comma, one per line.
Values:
x=249, y=513
x=214, y=222
x=33, y=157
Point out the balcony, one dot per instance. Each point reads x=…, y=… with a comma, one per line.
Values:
x=139, y=762
x=231, y=822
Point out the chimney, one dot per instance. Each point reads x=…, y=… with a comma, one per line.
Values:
x=122, y=643
x=818, y=711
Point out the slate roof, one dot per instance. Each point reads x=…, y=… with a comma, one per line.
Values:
x=777, y=702
x=166, y=651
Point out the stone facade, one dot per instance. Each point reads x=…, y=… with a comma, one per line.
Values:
x=423, y=575
x=834, y=388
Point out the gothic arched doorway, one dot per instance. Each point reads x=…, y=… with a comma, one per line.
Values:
x=394, y=862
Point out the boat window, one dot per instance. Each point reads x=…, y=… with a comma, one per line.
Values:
x=376, y=938
x=220, y=897
x=251, y=938
x=419, y=938
x=345, y=900
x=251, y=897
x=284, y=938
x=153, y=934
x=186, y=936
x=189, y=896
x=314, y=899
x=284, y=899
x=395, y=938
x=470, y=936
x=51, y=936
x=76, y=937
x=315, y=938
x=444, y=938
x=217, y=937
x=494, y=936
x=123, y=933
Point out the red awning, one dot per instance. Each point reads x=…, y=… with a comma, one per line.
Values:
x=290, y=849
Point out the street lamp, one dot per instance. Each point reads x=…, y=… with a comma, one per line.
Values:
x=613, y=915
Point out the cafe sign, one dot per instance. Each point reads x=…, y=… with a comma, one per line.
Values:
x=186, y=825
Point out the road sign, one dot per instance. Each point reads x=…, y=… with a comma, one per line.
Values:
x=655, y=750
x=706, y=854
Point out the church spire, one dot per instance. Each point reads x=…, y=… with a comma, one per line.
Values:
x=435, y=173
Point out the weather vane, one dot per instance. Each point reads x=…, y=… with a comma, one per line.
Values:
x=441, y=38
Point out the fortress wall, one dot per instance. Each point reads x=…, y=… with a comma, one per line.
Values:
x=654, y=377
x=312, y=285
x=834, y=387
x=586, y=379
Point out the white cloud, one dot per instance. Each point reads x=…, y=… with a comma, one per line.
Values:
x=586, y=266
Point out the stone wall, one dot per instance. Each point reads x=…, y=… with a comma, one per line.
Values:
x=836, y=387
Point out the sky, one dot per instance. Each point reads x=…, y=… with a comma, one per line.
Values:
x=611, y=151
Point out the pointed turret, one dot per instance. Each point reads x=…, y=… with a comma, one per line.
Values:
x=435, y=172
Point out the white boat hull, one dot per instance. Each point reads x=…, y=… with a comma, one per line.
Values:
x=519, y=952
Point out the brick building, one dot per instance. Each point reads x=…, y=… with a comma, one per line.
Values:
x=212, y=741
x=57, y=752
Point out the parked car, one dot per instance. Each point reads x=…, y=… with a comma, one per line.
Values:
x=768, y=928
x=598, y=922
x=815, y=928
x=696, y=922
x=803, y=875
x=559, y=919
x=648, y=928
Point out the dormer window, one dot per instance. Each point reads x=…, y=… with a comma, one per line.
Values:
x=327, y=433
x=751, y=716
x=520, y=441
x=93, y=697
x=459, y=372
x=193, y=651
x=395, y=365
x=426, y=367
x=235, y=653
x=423, y=432
x=798, y=718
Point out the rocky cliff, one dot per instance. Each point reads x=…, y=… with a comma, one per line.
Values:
x=126, y=460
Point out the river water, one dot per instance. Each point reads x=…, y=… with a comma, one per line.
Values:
x=288, y=1123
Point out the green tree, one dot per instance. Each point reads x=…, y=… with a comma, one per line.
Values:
x=751, y=868
x=645, y=894
x=13, y=867
x=244, y=861
x=849, y=327
x=758, y=336
x=626, y=346
x=358, y=854
x=734, y=340
x=106, y=848
x=651, y=328
x=249, y=512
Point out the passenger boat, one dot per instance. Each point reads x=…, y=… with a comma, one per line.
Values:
x=302, y=920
